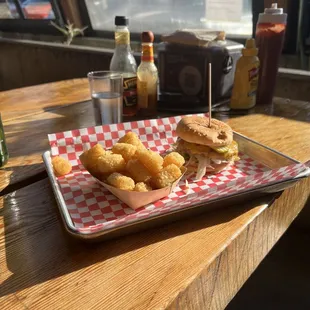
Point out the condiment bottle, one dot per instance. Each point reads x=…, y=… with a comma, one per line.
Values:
x=147, y=77
x=246, y=78
x=4, y=155
x=123, y=61
x=270, y=33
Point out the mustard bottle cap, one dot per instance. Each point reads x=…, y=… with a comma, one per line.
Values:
x=250, y=43
x=250, y=48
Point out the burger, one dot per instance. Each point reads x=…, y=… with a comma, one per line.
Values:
x=207, y=147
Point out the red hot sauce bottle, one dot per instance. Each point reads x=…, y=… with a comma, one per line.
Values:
x=270, y=33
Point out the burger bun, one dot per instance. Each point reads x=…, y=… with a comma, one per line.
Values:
x=196, y=129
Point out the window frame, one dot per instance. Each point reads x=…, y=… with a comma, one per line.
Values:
x=35, y=26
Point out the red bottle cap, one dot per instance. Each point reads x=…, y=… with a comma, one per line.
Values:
x=147, y=37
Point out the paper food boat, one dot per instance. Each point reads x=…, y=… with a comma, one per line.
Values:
x=136, y=200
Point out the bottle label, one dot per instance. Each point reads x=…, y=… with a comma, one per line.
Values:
x=130, y=91
x=253, y=81
x=147, y=53
x=122, y=38
x=142, y=94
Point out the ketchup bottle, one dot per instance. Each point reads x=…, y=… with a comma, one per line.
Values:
x=270, y=32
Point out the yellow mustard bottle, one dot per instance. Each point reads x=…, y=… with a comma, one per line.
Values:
x=246, y=78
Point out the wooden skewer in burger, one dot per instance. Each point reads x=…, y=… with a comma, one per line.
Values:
x=206, y=143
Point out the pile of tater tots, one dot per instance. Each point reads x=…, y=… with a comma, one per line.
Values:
x=130, y=166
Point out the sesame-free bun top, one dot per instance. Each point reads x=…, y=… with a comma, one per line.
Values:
x=195, y=129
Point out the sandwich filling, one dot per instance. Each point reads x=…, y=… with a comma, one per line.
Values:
x=202, y=158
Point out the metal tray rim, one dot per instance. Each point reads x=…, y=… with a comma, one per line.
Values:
x=266, y=147
x=59, y=198
x=89, y=235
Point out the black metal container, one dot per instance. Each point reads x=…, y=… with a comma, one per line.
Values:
x=183, y=74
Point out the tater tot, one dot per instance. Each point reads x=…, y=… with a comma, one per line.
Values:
x=126, y=173
x=151, y=160
x=102, y=176
x=89, y=158
x=131, y=138
x=96, y=151
x=120, y=181
x=167, y=176
x=110, y=163
x=137, y=171
x=174, y=158
x=142, y=187
x=83, y=158
x=124, y=149
x=61, y=166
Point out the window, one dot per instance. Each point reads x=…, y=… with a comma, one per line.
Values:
x=162, y=16
x=28, y=9
x=8, y=10
x=29, y=15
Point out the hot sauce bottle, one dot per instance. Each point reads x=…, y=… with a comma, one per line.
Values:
x=147, y=76
x=270, y=32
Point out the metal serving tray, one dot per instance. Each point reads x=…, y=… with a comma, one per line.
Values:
x=230, y=193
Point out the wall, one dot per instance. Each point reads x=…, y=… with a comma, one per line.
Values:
x=25, y=64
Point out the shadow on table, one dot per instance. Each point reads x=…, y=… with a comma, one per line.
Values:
x=12, y=176
x=37, y=248
x=281, y=281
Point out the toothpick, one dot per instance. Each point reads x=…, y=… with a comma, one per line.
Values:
x=210, y=93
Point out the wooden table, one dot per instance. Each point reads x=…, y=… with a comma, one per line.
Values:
x=200, y=263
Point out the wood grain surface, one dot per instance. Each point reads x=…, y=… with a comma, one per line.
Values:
x=27, y=139
x=199, y=263
x=35, y=99
x=27, y=136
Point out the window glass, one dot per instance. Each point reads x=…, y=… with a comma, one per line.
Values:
x=162, y=16
x=37, y=9
x=8, y=10
x=31, y=9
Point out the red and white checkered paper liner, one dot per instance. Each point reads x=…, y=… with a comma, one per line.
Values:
x=93, y=208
